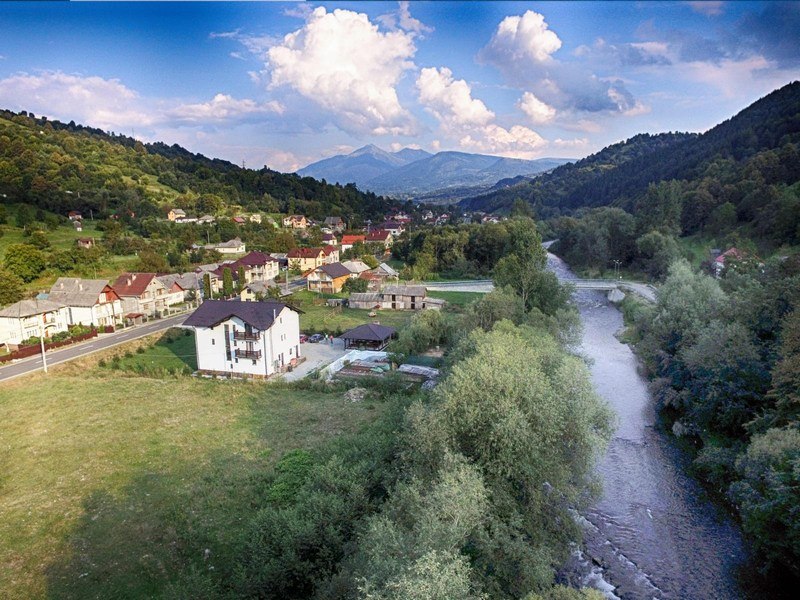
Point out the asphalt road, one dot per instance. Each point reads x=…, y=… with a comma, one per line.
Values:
x=102, y=342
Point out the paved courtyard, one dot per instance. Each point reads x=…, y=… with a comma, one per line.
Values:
x=317, y=355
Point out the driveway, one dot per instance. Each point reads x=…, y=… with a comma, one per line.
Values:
x=317, y=356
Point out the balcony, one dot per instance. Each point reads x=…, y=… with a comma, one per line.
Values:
x=247, y=337
x=252, y=354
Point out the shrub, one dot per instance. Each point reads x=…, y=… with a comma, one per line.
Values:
x=140, y=350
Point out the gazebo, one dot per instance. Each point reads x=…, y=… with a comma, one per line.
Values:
x=370, y=335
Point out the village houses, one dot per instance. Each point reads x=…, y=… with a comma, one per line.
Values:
x=90, y=302
x=335, y=223
x=380, y=236
x=31, y=318
x=295, y=222
x=328, y=279
x=245, y=339
x=349, y=240
x=143, y=294
x=175, y=213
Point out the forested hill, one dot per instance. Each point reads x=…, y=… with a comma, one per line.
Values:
x=42, y=160
x=622, y=172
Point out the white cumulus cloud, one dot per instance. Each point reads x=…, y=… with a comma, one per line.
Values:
x=223, y=107
x=468, y=120
x=451, y=101
x=525, y=37
x=104, y=103
x=538, y=112
x=344, y=63
x=522, y=48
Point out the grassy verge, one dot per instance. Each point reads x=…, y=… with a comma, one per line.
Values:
x=172, y=353
x=111, y=487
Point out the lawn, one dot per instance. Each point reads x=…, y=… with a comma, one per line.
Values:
x=113, y=486
x=318, y=317
x=458, y=298
x=173, y=352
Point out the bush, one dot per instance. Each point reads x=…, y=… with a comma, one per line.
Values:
x=140, y=350
x=292, y=472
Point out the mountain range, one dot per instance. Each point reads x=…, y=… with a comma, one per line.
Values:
x=416, y=174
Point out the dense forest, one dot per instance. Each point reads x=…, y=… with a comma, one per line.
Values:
x=61, y=167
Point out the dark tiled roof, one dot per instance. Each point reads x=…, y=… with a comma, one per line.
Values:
x=304, y=252
x=378, y=235
x=335, y=270
x=255, y=258
x=369, y=332
x=258, y=314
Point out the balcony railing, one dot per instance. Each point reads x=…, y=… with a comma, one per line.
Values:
x=254, y=354
x=247, y=337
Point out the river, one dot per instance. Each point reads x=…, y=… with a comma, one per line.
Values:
x=654, y=533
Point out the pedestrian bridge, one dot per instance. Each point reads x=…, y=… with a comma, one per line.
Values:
x=616, y=288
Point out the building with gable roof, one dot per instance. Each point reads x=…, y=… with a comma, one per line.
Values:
x=328, y=279
x=31, y=318
x=90, y=302
x=245, y=339
x=142, y=294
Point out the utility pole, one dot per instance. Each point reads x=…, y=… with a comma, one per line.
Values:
x=41, y=341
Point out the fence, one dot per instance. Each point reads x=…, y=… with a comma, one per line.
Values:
x=27, y=351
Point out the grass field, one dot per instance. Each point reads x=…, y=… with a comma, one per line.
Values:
x=318, y=317
x=458, y=298
x=111, y=486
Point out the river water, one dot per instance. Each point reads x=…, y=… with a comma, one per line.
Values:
x=654, y=533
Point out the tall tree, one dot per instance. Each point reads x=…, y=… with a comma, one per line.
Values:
x=227, y=282
x=25, y=261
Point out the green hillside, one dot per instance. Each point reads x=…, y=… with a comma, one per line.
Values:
x=62, y=167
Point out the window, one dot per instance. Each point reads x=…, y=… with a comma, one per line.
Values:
x=213, y=342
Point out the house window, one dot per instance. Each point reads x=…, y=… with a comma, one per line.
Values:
x=213, y=342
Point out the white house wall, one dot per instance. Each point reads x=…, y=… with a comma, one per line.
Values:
x=279, y=344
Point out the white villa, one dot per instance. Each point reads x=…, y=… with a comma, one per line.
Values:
x=245, y=339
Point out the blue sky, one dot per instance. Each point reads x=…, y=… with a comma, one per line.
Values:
x=288, y=83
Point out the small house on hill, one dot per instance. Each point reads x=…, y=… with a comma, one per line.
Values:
x=176, y=213
x=295, y=222
x=370, y=336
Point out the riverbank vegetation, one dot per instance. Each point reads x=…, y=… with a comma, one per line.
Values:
x=725, y=360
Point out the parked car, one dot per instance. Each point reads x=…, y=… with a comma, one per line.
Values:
x=317, y=337
x=303, y=338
